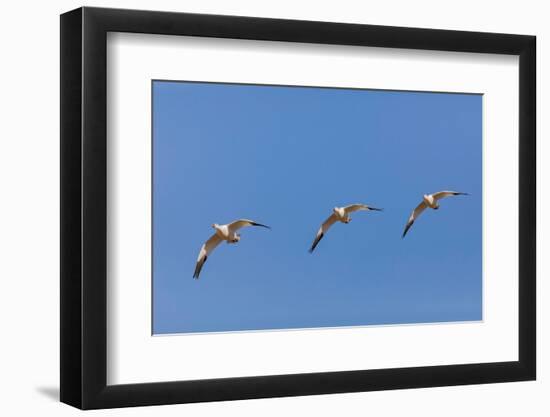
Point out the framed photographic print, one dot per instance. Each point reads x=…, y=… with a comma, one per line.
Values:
x=211, y=170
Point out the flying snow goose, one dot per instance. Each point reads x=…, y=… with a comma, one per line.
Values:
x=340, y=214
x=431, y=201
x=227, y=232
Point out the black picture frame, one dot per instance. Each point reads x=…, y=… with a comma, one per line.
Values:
x=84, y=197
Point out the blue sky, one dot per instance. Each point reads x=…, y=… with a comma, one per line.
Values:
x=285, y=156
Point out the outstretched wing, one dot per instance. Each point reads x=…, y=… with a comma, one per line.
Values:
x=356, y=207
x=443, y=194
x=205, y=251
x=414, y=215
x=322, y=230
x=237, y=224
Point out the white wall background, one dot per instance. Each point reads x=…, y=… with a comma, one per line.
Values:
x=29, y=208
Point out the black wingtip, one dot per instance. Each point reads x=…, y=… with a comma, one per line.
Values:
x=407, y=227
x=198, y=268
x=462, y=194
x=260, y=225
x=376, y=209
x=316, y=242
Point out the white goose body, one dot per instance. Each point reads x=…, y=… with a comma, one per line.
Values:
x=430, y=201
x=224, y=232
x=341, y=214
